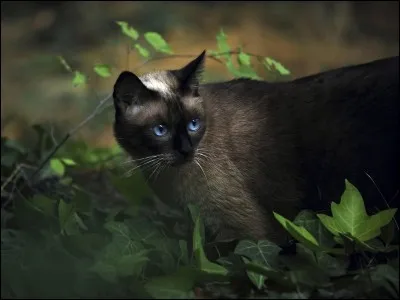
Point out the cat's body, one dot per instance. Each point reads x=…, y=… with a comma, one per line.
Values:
x=287, y=146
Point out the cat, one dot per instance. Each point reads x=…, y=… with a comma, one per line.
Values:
x=244, y=148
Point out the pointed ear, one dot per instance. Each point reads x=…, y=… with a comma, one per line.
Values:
x=189, y=76
x=129, y=89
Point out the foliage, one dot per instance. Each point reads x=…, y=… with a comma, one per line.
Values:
x=77, y=228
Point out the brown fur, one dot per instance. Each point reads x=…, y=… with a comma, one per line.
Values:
x=268, y=147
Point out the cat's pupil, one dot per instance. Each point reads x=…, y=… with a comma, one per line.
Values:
x=194, y=125
x=160, y=130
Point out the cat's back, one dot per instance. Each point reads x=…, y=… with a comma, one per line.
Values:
x=343, y=123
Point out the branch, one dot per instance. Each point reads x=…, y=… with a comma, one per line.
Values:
x=211, y=56
x=95, y=112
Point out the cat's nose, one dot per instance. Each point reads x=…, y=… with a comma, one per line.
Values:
x=186, y=147
x=185, y=150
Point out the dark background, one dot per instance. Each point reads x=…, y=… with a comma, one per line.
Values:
x=307, y=37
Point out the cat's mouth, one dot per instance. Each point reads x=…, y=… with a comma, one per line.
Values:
x=180, y=158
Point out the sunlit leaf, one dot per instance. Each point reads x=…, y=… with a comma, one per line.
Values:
x=269, y=63
x=102, y=70
x=222, y=43
x=375, y=222
x=246, y=72
x=57, y=166
x=68, y=161
x=128, y=30
x=158, y=42
x=329, y=223
x=79, y=79
x=142, y=51
x=244, y=59
x=350, y=213
x=298, y=232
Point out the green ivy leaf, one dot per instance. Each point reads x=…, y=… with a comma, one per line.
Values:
x=158, y=42
x=329, y=224
x=334, y=266
x=102, y=70
x=246, y=72
x=118, y=229
x=277, y=276
x=105, y=271
x=128, y=30
x=298, y=232
x=350, y=213
x=65, y=213
x=264, y=252
x=385, y=275
x=309, y=221
x=372, y=226
x=222, y=42
x=374, y=246
x=244, y=59
x=68, y=161
x=79, y=79
x=203, y=263
x=57, y=166
x=131, y=264
x=42, y=204
x=174, y=286
x=142, y=51
x=350, y=217
x=269, y=62
x=257, y=279
x=133, y=188
x=184, y=254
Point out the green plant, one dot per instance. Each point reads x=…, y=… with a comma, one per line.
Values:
x=73, y=227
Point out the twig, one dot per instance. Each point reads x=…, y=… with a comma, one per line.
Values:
x=95, y=112
x=383, y=197
x=11, y=177
x=211, y=56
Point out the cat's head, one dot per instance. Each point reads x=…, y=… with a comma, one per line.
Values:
x=160, y=113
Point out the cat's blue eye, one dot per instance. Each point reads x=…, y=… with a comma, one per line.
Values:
x=160, y=130
x=194, y=125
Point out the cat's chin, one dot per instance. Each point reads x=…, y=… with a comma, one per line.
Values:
x=179, y=162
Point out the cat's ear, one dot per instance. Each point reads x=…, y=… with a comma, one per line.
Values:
x=189, y=76
x=128, y=90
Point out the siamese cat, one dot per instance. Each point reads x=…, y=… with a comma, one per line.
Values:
x=242, y=149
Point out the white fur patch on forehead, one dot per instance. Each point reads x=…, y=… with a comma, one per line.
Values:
x=162, y=82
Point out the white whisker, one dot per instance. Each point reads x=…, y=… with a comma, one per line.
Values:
x=148, y=162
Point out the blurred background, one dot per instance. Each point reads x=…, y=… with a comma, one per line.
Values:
x=306, y=37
